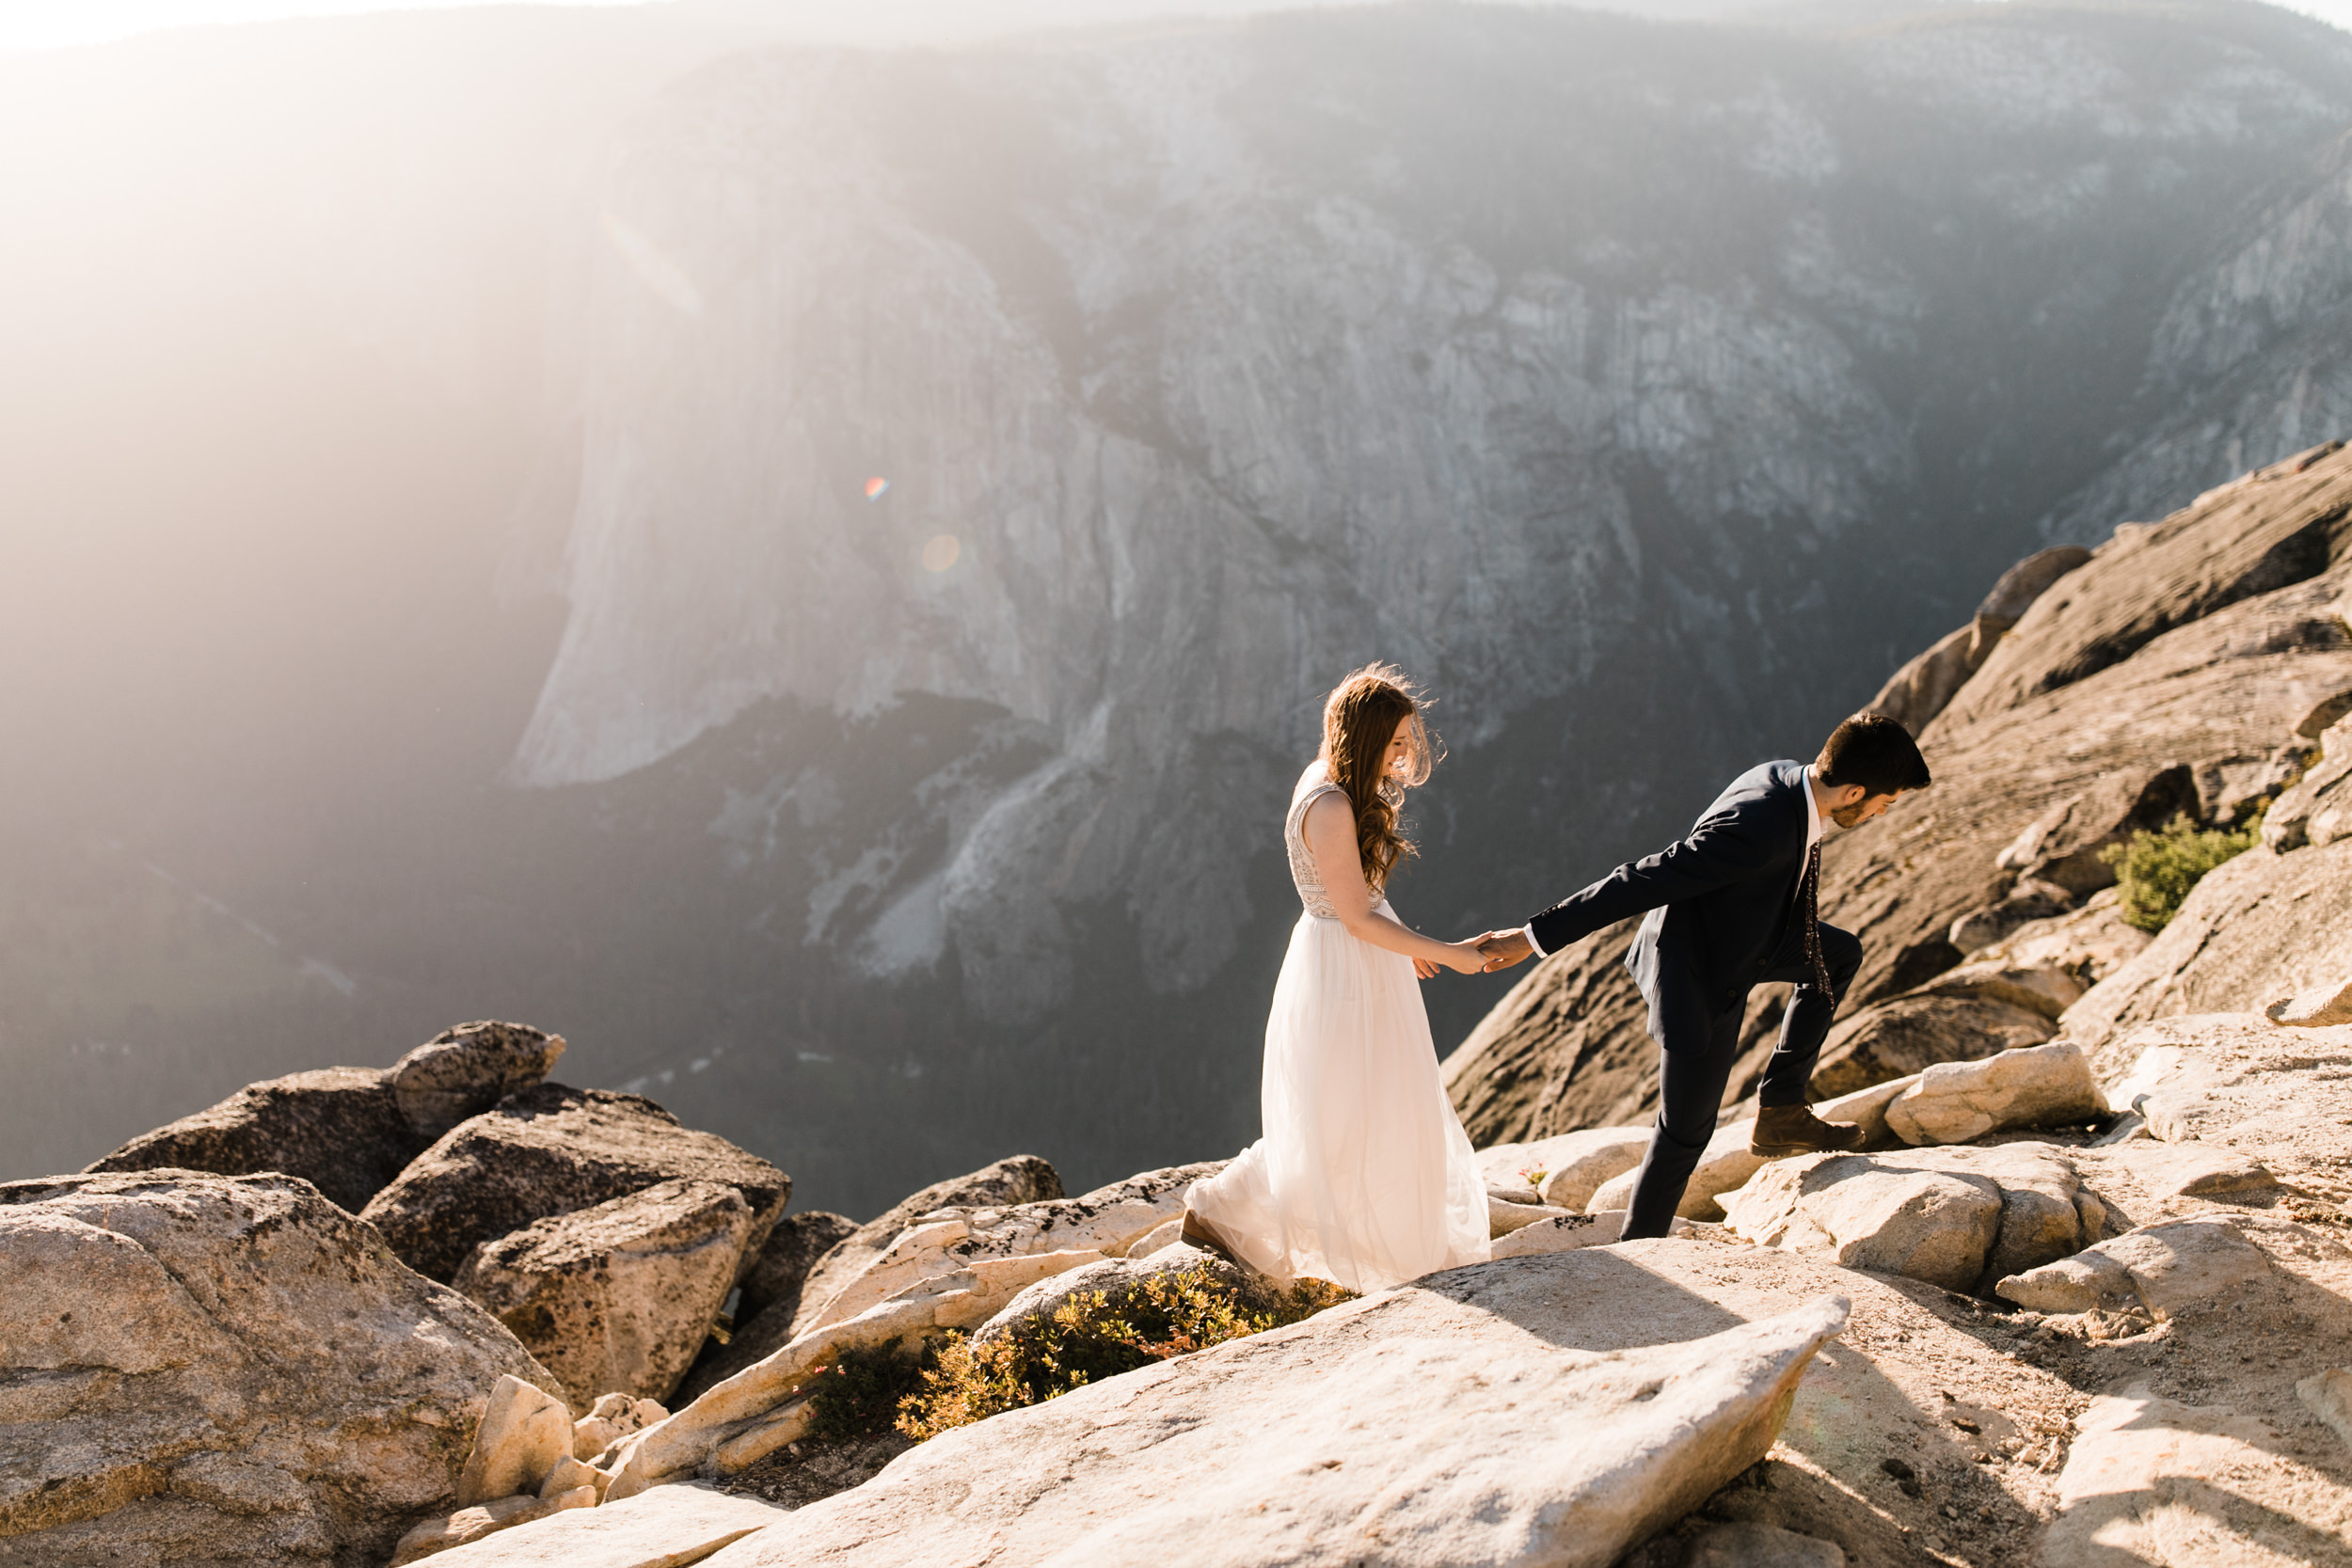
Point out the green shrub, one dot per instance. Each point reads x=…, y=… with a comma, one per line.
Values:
x=2156, y=870
x=859, y=1393
x=1090, y=1338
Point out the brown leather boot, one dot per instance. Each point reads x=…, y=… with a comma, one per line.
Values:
x=1785, y=1130
x=1199, y=1233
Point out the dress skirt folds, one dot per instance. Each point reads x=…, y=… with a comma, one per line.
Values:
x=1364, y=1174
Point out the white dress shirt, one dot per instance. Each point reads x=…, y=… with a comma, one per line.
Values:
x=1815, y=826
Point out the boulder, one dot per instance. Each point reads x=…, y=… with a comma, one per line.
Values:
x=463, y=1071
x=2165, y=1269
x=2022, y=586
x=2088, y=943
x=2027, y=903
x=1961, y=1218
x=551, y=1151
x=468, y=1525
x=1505, y=1216
x=762, y=1408
x=525, y=1434
x=613, y=1417
x=1726, y=1164
x=1106, y=1220
x=772, y=1288
x=1909, y=1034
x=1414, y=1415
x=207, y=1369
x=1925, y=686
x=618, y=1297
x=1020, y=1179
x=2065, y=845
x=347, y=1130
x=338, y=1128
x=2317, y=808
x=2255, y=928
x=666, y=1528
x=1573, y=1164
x=2323, y=1007
x=1916, y=693
x=2038, y=1085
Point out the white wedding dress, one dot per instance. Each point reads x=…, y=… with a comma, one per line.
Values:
x=1364, y=1174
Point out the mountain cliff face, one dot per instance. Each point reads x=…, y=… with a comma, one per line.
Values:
x=1649, y=390
x=2187, y=668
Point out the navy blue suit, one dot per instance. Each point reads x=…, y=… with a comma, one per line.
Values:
x=1723, y=919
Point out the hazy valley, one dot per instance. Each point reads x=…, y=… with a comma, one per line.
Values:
x=1652, y=391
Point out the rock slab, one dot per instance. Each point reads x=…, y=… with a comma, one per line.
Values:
x=670, y=1527
x=1411, y=1426
x=1015, y=1180
x=206, y=1369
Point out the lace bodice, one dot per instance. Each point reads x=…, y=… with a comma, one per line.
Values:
x=1312, y=785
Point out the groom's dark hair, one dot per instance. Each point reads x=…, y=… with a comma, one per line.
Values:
x=1874, y=752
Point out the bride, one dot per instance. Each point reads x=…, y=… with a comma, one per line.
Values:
x=1364, y=1174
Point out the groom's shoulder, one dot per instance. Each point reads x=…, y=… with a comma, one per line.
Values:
x=1768, y=787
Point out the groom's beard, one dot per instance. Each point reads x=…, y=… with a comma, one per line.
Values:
x=1847, y=817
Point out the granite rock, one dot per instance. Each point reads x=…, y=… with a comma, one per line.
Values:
x=1016, y=1179
x=1106, y=1220
x=463, y=1071
x=338, y=1128
x=206, y=1369
x=525, y=1434
x=618, y=1297
x=2037, y=1085
x=771, y=1288
x=1445, y=1412
x=550, y=1150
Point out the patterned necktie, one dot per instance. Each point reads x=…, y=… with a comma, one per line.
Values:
x=1809, y=896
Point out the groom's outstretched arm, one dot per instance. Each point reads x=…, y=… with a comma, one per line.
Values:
x=1730, y=846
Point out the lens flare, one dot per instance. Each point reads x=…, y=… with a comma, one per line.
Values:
x=941, y=553
x=874, y=487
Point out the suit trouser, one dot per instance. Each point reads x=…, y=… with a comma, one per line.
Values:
x=1696, y=1050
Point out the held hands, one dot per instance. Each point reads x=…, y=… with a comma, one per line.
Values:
x=1463, y=958
x=1501, y=949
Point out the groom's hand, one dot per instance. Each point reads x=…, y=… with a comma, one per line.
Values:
x=1501, y=949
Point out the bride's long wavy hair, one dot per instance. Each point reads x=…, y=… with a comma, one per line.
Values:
x=1358, y=717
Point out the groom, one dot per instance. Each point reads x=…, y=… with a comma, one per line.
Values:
x=1732, y=905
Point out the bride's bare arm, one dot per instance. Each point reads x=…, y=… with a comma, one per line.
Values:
x=1330, y=833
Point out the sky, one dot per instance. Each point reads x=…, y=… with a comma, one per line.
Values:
x=51, y=24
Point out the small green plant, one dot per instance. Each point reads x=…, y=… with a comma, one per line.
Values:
x=1090, y=1338
x=2154, y=871
x=858, y=1395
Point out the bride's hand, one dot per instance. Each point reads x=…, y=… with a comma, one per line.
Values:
x=1425, y=968
x=1466, y=958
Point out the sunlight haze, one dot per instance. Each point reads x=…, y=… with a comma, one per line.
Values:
x=51, y=24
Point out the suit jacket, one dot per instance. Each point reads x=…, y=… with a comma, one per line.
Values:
x=1720, y=902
